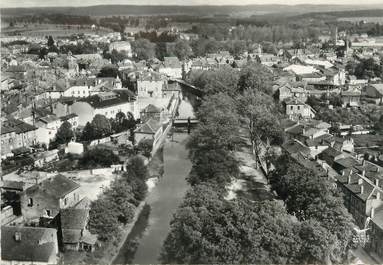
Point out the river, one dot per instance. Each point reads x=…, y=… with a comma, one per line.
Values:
x=163, y=201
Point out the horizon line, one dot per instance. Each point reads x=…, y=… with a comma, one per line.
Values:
x=191, y=5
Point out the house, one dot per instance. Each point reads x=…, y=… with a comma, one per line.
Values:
x=47, y=128
x=297, y=109
x=293, y=90
x=362, y=192
x=8, y=141
x=375, y=92
x=107, y=104
x=25, y=134
x=47, y=198
x=300, y=69
x=121, y=46
x=361, y=185
x=29, y=245
x=150, y=84
x=74, y=233
x=350, y=98
x=375, y=244
x=72, y=118
x=171, y=67
x=330, y=155
x=150, y=112
x=152, y=130
x=45, y=157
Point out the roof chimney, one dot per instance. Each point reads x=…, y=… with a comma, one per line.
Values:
x=361, y=189
x=349, y=179
x=18, y=236
x=372, y=212
x=377, y=182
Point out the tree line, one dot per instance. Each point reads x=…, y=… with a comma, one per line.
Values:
x=209, y=229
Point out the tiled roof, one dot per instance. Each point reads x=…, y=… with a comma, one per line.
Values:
x=294, y=147
x=149, y=127
x=19, y=126
x=73, y=218
x=151, y=109
x=57, y=186
x=36, y=243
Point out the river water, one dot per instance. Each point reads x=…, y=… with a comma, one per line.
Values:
x=163, y=201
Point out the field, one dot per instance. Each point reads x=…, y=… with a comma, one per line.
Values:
x=367, y=19
x=42, y=30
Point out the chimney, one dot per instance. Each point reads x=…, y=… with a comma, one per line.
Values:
x=361, y=189
x=18, y=236
x=349, y=179
x=372, y=212
x=377, y=182
x=363, y=172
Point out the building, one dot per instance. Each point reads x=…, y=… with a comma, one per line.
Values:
x=350, y=98
x=25, y=134
x=150, y=112
x=361, y=184
x=293, y=90
x=171, y=67
x=150, y=84
x=375, y=92
x=121, y=46
x=74, y=234
x=47, y=198
x=107, y=104
x=8, y=141
x=296, y=109
x=28, y=245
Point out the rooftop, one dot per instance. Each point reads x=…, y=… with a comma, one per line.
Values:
x=36, y=243
x=57, y=186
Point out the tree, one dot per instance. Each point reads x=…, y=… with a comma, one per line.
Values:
x=143, y=49
x=123, y=122
x=64, y=133
x=136, y=167
x=256, y=77
x=88, y=133
x=208, y=229
x=136, y=176
x=101, y=126
x=145, y=146
x=108, y=71
x=183, y=50
x=103, y=219
x=98, y=157
x=50, y=42
x=120, y=194
x=310, y=196
x=258, y=113
x=213, y=165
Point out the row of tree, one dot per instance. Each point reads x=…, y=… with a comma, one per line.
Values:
x=117, y=204
x=313, y=199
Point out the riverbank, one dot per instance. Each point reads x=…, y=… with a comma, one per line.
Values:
x=144, y=242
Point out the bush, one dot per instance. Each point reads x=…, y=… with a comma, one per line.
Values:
x=98, y=157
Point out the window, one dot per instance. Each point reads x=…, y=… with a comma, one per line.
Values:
x=65, y=201
x=291, y=107
x=299, y=107
x=30, y=202
x=48, y=212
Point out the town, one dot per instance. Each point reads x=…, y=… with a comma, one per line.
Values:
x=191, y=139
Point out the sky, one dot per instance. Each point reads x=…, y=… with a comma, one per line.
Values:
x=39, y=3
